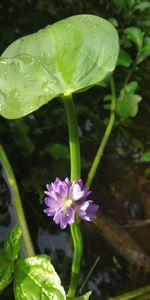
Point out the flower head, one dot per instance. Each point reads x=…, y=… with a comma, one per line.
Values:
x=64, y=199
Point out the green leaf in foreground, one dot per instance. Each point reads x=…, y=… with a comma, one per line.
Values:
x=6, y=270
x=69, y=56
x=84, y=297
x=35, y=278
x=145, y=157
x=12, y=243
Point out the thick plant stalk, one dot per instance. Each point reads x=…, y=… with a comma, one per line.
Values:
x=75, y=175
x=105, y=138
x=17, y=202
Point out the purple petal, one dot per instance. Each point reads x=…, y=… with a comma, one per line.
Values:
x=87, y=210
x=67, y=181
x=80, y=183
x=85, y=189
x=86, y=192
x=48, y=186
x=58, y=216
x=49, y=212
x=65, y=216
x=53, y=206
x=75, y=192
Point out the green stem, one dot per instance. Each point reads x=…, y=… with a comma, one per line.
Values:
x=107, y=133
x=76, y=263
x=129, y=74
x=75, y=175
x=133, y=294
x=17, y=202
x=73, y=138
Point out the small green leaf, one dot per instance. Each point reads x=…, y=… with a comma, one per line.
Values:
x=137, y=143
x=145, y=157
x=124, y=59
x=142, y=6
x=12, y=243
x=127, y=105
x=84, y=297
x=145, y=52
x=67, y=57
x=130, y=88
x=147, y=172
x=107, y=106
x=6, y=270
x=135, y=35
x=113, y=21
x=107, y=98
x=57, y=150
x=131, y=2
x=120, y=3
x=35, y=278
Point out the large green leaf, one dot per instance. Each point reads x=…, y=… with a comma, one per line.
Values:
x=66, y=57
x=35, y=278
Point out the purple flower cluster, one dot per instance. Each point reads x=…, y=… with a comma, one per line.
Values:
x=64, y=199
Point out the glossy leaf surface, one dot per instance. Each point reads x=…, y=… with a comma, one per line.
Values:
x=66, y=57
x=35, y=278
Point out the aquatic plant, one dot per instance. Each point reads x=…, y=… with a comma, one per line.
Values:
x=69, y=56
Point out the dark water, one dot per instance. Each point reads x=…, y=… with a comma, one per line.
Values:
x=116, y=189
